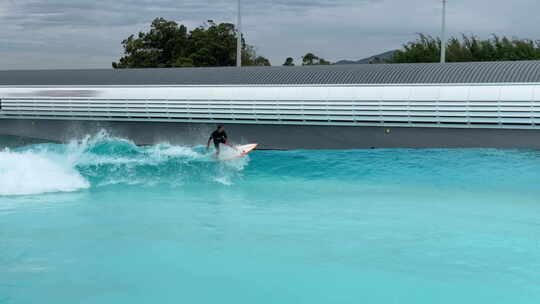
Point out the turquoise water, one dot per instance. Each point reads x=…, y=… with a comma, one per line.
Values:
x=104, y=221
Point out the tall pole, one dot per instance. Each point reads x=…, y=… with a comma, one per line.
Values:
x=443, y=33
x=239, y=36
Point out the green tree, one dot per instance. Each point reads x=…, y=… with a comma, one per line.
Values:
x=289, y=61
x=250, y=57
x=466, y=49
x=168, y=44
x=324, y=62
x=311, y=59
x=261, y=61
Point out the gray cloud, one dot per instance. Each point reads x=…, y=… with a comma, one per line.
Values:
x=74, y=13
x=87, y=33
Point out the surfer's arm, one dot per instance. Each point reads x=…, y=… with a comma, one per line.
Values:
x=228, y=144
x=208, y=144
x=227, y=140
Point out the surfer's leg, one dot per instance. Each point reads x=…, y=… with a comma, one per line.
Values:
x=217, y=148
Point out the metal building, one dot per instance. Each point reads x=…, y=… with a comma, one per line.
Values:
x=487, y=104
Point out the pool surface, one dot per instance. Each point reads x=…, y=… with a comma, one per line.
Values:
x=105, y=221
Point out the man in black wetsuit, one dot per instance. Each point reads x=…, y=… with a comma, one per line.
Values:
x=219, y=137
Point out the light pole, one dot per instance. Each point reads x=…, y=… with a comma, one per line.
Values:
x=239, y=36
x=443, y=33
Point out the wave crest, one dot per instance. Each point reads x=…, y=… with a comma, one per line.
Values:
x=105, y=160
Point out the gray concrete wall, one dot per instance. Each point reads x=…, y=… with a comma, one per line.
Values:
x=9, y=141
x=276, y=136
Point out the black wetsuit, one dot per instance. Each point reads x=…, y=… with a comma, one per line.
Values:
x=218, y=138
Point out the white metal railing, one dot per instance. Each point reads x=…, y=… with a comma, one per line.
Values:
x=409, y=113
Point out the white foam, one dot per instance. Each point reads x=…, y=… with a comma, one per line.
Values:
x=23, y=173
x=166, y=150
x=224, y=180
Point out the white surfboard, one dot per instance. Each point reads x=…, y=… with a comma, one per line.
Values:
x=228, y=152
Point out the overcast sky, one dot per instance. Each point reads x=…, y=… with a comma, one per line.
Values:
x=44, y=34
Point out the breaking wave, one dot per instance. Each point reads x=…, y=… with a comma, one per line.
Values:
x=102, y=160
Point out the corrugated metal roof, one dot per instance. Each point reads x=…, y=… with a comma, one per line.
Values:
x=429, y=73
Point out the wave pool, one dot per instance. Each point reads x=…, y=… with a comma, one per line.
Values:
x=103, y=221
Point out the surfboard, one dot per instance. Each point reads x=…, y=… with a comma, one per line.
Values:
x=228, y=153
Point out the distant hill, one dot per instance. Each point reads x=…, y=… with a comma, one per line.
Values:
x=383, y=56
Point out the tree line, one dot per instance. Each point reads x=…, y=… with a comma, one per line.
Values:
x=467, y=49
x=169, y=44
x=308, y=59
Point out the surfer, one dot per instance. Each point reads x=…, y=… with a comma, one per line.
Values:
x=219, y=137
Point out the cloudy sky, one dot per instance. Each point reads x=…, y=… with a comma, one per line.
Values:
x=43, y=34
